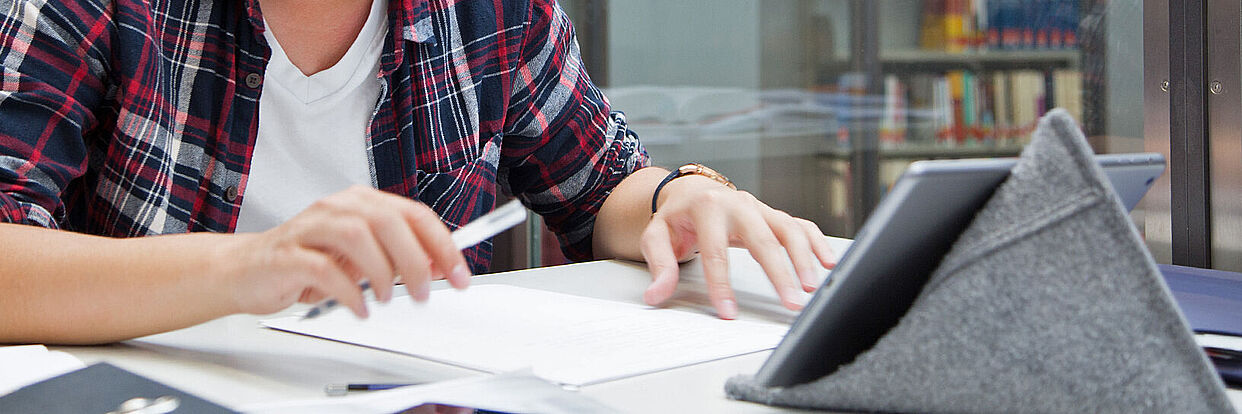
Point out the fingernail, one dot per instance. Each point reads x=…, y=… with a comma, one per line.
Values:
x=422, y=292
x=461, y=272
x=795, y=295
x=728, y=309
x=809, y=278
x=650, y=297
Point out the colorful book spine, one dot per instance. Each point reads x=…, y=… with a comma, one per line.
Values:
x=964, y=108
x=1069, y=23
x=893, y=121
x=1000, y=107
x=970, y=109
x=957, y=33
x=931, y=32
x=942, y=111
x=1002, y=24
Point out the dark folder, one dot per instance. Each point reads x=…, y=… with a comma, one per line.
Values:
x=99, y=388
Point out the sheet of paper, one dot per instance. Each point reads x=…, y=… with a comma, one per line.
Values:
x=518, y=392
x=562, y=338
x=1232, y=343
x=23, y=365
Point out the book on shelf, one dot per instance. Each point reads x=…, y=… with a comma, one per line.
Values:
x=893, y=121
x=965, y=108
x=958, y=26
x=931, y=29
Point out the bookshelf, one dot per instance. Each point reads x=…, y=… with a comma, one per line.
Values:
x=910, y=60
x=958, y=79
x=781, y=94
x=982, y=60
x=929, y=152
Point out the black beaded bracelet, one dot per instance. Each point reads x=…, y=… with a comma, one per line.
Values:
x=688, y=169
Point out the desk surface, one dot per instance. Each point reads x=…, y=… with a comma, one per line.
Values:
x=236, y=362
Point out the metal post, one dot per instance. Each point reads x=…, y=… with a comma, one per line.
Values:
x=1188, y=129
x=864, y=139
x=1224, y=131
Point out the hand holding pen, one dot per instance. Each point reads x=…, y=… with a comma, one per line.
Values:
x=491, y=224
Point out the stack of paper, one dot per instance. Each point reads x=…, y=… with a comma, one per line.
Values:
x=562, y=338
x=27, y=364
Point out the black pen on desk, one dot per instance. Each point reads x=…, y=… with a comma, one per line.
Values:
x=342, y=389
x=1223, y=353
x=474, y=232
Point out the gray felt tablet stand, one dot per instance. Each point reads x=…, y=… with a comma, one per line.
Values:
x=1048, y=302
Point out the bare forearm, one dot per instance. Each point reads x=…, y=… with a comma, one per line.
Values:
x=624, y=215
x=63, y=287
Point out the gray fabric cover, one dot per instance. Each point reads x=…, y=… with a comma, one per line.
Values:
x=1048, y=302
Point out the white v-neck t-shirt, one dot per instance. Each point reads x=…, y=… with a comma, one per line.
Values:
x=312, y=138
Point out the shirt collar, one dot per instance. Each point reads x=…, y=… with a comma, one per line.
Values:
x=256, y=16
x=415, y=21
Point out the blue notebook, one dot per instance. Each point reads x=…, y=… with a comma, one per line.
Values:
x=1210, y=299
x=1212, y=303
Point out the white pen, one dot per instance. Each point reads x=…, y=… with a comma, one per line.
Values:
x=472, y=233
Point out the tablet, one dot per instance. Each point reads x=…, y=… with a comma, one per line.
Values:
x=898, y=248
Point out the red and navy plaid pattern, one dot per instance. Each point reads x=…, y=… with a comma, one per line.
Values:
x=129, y=118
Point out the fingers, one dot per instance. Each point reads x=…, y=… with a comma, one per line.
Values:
x=375, y=236
x=819, y=244
x=421, y=247
x=353, y=240
x=712, y=228
x=800, y=247
x=401, y=245
x=328, y=277
x=714, y=218
x=446, y=259
x=657, y=250
x=408, y=258
x=758, y=237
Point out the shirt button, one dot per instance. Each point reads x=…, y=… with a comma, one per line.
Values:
x=231, y=193
x=253, y=80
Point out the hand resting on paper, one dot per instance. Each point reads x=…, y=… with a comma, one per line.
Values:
x=697, y=215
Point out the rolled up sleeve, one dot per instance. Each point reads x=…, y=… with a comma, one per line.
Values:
x=50, y=54
x=564, y=150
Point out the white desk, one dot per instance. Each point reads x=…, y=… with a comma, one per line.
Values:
x=235, y=362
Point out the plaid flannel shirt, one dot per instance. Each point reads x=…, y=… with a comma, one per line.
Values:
x=129, y=118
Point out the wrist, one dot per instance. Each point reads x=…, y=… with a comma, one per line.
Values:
x=693, y=174
x=685, y=185
x=226, y=267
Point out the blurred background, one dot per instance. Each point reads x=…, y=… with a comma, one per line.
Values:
x=817, y=106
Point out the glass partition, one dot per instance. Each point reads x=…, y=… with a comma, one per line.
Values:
x=817, y=106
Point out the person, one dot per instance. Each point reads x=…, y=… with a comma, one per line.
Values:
x=166, y=163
